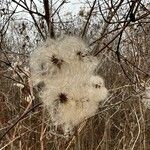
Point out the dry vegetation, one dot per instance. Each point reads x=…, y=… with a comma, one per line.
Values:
x=118, y=34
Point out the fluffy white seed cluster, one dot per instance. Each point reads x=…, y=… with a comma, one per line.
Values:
x=70, y=90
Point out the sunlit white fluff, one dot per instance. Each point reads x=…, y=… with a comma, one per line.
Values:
x=72, y=92
x=97, y=90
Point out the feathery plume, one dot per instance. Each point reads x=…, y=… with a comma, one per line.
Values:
x=70, y=92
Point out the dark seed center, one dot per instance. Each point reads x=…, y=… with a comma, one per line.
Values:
x=80, y=55
x=97, y=86
x=62, y=98
x=56, y=61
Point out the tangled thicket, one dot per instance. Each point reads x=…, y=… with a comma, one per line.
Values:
x=65, y=76
x=146, y=97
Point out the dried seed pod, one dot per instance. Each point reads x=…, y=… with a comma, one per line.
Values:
x=56, y=61
x=80, y=55
x=62, y=97
x=97, y=86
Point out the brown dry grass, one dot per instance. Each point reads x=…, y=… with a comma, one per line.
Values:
x=122, y=122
